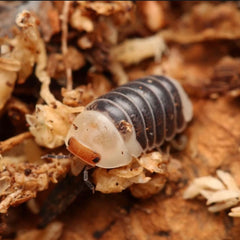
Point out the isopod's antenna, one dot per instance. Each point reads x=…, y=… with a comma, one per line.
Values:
x=46, y=156
x=86, y=178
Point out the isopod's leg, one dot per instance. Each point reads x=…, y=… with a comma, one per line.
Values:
x=180, y=143
x=86, y=179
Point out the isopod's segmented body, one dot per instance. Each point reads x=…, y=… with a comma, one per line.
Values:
x=132, y=119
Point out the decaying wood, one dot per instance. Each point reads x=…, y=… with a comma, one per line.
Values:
x=213, y=143
x=105, y=44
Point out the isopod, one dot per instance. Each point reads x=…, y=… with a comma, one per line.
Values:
x=132, y=119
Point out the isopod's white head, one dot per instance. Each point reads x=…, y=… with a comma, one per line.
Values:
x=95, y=140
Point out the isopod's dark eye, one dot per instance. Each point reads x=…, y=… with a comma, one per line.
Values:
x=84, y=153
x=96, y=160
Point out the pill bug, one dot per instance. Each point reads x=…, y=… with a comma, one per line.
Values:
x=128, y=121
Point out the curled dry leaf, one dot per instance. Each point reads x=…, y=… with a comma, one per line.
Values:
x=107, y=183
x=56, y=62
x=225, y=76
x=81, y=22
x=6, y=86
x=106, y=8
x=50, y=20
x=118, y=179
x=49, y=125
x=26, y=51
x=85, y=42
x=75, y=97
x=28, y=23
x=82, y=95
x=16, y=110
x=154, y=162
x=148, y=189
x=73, y=59
x=206, y=21
x=147, y=175
x=5, y=183
x=55, y=66
x=39, y=121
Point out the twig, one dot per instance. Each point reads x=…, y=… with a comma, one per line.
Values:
x=13, y=141
x=64, y=16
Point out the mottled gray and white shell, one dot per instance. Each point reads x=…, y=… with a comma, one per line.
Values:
x=134, y=118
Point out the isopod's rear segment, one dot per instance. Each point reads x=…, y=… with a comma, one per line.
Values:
x=156, y=106
x=137, y=117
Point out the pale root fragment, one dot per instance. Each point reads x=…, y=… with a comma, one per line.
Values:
x=133, y=51
x=198, y=184
x=228, y=180
x=223, y=195
x=235, y=212
x=219, y=194
x=224, y=205
x=119, y=74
